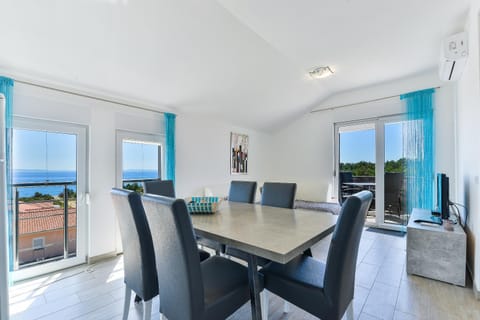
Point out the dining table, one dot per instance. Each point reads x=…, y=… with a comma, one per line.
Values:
x=273, y=233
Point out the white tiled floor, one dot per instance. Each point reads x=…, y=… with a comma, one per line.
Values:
x=383, y=290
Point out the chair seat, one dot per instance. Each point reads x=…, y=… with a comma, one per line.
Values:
x=225, y=286
x=300, y=282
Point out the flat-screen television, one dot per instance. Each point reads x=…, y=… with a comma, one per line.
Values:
x=443, y=202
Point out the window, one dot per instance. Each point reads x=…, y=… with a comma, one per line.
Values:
x=139, y=159
x=38, y=243
x=49, y=187
x=141, y=162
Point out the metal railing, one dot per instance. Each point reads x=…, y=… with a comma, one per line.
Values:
x=16, y=187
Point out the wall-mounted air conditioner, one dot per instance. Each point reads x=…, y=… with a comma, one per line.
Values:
x=454, y=56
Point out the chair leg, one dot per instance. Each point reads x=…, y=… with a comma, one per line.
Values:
x=137, y=299
x=264, y=303
x=286, y=307
x=126, y=303
x=349, y=312
x=147, y=310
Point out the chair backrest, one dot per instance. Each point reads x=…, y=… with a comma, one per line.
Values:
x=242, y=191
x=345, y=176
x=393, y=182
x=160, y=187
x=276, y=194
x=341, y=263
x=138, y=255
x=178, y=266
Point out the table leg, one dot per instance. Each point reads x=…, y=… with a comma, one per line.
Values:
x=254, y=284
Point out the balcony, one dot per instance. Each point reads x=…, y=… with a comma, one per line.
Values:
x=394, y=197
x=45, y=222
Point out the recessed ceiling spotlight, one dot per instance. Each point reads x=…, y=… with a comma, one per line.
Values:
x=321, y=72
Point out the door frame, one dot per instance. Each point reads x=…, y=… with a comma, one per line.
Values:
x=378, y=124
x=81, y=132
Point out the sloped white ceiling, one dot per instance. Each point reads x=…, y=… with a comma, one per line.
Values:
x=243, y=61
x=366, y=41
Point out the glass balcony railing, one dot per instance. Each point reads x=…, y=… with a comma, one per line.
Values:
x=45, y=222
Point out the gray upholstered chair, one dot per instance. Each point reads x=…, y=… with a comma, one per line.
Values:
x=167, y=189
x=324, y=290
x=160, y=187
x=242, y=191
x=277, y=194
x=190, y=290
x=138, y=255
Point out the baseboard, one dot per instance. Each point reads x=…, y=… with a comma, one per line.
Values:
x=476, y=292
x=105, y=256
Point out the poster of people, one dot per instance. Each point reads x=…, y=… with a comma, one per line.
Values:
x=238, y=153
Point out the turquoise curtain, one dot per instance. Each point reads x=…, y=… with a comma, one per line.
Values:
x=6, y=88
x=170, y=146
x=419, y=148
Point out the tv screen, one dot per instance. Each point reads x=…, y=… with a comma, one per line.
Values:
x=443, y=202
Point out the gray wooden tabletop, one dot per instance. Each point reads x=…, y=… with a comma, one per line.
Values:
x=277, y=234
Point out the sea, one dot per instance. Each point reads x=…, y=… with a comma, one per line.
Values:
x=43, y=176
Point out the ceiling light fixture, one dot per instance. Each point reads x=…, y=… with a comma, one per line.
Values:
x=321, y=72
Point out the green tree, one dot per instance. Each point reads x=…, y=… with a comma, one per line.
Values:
x=70, y=194
x=364, y=168
x=134, y=187
x=37, y=196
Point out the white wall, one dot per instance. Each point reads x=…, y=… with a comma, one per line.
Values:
x=102, y=119
x=202, y=147
x=304, y=150
x=468, y=152
x=203, y=155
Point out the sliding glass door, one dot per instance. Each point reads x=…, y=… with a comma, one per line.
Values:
x=370, y=156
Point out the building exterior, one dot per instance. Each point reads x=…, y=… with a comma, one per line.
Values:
x=41, y=231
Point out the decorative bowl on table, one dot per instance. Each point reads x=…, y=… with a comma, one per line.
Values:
x=203, y=204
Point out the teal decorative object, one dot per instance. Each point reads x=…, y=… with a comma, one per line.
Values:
x=203, y=204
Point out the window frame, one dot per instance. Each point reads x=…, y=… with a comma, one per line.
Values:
x=140, y=137
x=122, y=135
x=378, y=124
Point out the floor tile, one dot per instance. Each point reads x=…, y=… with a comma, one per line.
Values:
x=381, y=301
x=383, y=290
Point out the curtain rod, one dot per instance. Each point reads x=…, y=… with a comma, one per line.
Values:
x=361, y=102
x=90, y=96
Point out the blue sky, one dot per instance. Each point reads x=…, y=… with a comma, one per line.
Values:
x=140, y=156
x=358, y=146
x=39, y=150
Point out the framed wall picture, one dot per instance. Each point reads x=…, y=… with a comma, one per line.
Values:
x=238, y=153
